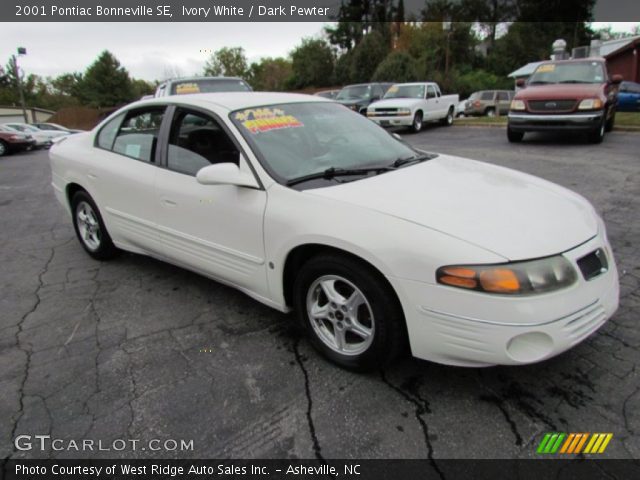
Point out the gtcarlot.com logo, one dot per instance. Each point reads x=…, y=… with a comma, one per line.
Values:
x=574, y=443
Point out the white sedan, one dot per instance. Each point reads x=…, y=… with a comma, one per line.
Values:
x=304, y=205
x=43, y=138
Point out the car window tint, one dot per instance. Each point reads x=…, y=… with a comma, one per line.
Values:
x=503, y=96
x=138, y=135
x=197, y=140
x=486, y=96
x=108, y=133
x=431, y=92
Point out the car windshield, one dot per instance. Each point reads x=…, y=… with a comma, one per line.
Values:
x=570, y=72
x=354, y=92
x=405, y=91
x=209, y=86
x=294, y=140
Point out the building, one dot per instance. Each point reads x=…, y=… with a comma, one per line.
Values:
x=621, y=55
x=10, y=114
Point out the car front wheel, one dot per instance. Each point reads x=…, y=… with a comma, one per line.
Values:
x=597, y=135
x=90, y=227
x=349, y=312
x=3, y=148
x=417, y=122
x=514, y=137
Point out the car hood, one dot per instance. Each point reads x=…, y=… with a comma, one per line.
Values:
x=395, y=103
x=559, y=91
x=509, y=213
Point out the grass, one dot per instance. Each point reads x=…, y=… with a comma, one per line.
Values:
x=623, y=119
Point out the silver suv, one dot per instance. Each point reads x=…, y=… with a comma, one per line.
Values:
x=488, y=102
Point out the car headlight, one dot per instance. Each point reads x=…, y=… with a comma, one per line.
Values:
x=404, y=111
x=516, y=278
x=371, y=113
x=517, y=105
x=590, y=104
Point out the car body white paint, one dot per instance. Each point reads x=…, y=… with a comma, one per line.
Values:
x=406, y=223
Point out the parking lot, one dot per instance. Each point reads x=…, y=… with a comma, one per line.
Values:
x=138, y=349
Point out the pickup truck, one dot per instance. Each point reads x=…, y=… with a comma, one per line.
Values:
x=412, y=104
x=575, y=95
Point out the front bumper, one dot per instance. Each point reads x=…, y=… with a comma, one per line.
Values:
x=531, y=122
x=457, y=327
x=393, y=121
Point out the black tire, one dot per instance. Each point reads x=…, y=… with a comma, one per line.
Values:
x=4, y=148
x=416, y=126
x=490, y=112
x=382, y=308
x=597, y=135
x=610, y=123
x=448, y=120
x=105, y=249
x=514, y=137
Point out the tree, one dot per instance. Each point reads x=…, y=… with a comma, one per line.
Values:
x=68, y=84
x=228, y=62
x=106, y=83
x=398, y=67
x=366, y=57
x=312, y=64
x=270, y=74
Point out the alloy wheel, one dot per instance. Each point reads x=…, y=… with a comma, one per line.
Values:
x=88, y=226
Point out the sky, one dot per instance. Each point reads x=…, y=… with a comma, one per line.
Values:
x=154, y=51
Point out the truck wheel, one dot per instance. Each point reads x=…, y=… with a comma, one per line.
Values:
x=448, y=120
x=609, y=126
x=490, y=112
x=597, y=135
x=416, y=126
x=514, y=137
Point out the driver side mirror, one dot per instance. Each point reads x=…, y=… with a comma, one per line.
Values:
x=225, y=174
x=521, y=83
x=616, y=79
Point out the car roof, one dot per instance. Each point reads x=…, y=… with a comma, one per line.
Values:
x=235, y=100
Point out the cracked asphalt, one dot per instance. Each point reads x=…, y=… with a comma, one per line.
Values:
x=138, y=349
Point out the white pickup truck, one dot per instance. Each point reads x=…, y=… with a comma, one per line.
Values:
x=413, y=104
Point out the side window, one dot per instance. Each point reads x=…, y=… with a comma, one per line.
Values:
x=138, y=135
x=503, y=97
x=197, y=140
x=431, y=92
x=107, y=134
x=487, y=95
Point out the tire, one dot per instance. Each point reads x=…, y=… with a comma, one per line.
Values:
x=490, y=112
x=90, y=228
x=4, y=148
x=610, y=123
x=448, y=120
x=597, y=136
x=514, y=137
x=362, y=339
x=416, y=126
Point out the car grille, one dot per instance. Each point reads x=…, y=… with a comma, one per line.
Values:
x=545, y=106
x=383, y=112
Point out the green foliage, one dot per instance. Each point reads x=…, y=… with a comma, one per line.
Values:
x=366, y=56
x=228, y=62
x=270, y=74
x=397, y=67
x=312, y=64
x=472, y=81
x=106, y=83
x=342, y=71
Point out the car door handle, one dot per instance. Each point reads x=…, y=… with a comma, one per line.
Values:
x=169, y=203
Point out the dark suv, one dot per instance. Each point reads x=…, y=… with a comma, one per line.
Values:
x=565, y=95
x=359, y=97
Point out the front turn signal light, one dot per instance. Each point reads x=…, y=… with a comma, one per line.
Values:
x=590, y=104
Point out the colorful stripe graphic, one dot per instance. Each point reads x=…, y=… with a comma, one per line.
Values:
x=574, y=443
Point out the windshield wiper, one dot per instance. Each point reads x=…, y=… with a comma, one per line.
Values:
x=415, y=159
x=574, y=81
x=333, y=172
x=539, y=82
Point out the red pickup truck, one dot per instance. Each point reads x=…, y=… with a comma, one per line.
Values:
x=565, y=95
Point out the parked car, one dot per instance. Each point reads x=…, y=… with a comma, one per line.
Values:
x=412, y=104
x=43, y=138
x=488, y=102
x=629, y=97
x=460, y=108
x=55, y=126
x=359, y=97
x=330, y=94
x=182, y=86
x=305, y=205
x=12, y=141
x=569, y=95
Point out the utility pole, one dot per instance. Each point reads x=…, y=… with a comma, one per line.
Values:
x=16, y=72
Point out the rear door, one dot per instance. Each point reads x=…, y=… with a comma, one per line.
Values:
x=503, y=100
x=433, y=105
x=213, y=229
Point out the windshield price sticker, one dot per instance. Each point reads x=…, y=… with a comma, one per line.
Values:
x=264, y=119
x=185, y=88
x=546, y=68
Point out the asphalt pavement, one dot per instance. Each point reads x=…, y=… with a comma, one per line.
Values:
x=138, y=349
